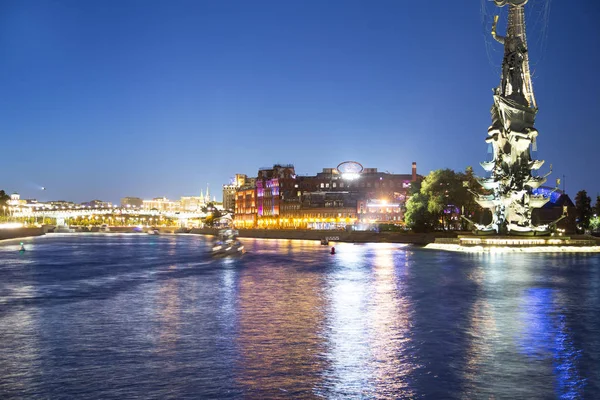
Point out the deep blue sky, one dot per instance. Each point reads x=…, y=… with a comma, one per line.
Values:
x=104, y=99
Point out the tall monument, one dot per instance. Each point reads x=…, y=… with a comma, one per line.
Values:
x=512, y=136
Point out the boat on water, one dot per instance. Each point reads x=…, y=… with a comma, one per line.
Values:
x=104, y=228
x=226, y=244
x=154, y=231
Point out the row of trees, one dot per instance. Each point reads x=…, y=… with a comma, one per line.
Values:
x=440, y=200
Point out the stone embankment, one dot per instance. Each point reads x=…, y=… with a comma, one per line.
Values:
x=337, y=236
x=18, y=233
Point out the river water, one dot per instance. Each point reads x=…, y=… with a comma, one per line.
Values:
x=155, y=317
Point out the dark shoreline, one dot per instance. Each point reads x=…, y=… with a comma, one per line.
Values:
x=337, y=236
x=20, y=233
x=420, y=239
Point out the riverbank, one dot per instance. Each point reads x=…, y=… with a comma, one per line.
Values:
x=20, y=233
x=338, y=236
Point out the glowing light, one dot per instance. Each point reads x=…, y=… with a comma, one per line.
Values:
x=11, y=225
x=350, y=176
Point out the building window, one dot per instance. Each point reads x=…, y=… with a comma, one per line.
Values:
x=334, y=184
x=322, y=185
x=341, y=184
x=327, y=185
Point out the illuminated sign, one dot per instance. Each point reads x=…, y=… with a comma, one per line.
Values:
x=350, y=170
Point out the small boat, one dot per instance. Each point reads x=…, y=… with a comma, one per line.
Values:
x=104, y=228
x=226, y=244
x=154, y=231
x=324, y=242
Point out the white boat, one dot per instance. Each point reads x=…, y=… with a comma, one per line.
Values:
x=104, y=228
x=154, y=232
x=226, y=244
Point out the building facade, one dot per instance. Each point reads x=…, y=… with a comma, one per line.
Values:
x=229, y=191
x=328, y=200
x=161, y=204
x=128, y=202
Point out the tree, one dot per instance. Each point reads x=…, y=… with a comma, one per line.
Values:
x=448, y=196
x=417, y=217
x=441, y=199
x=597, y=206
x=583, y=207
x=595, y=224
x=4, y=198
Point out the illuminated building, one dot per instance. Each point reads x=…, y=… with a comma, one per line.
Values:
x=60, y=203
x=131, y=202
x=272, y=186
x=192, y=203
x=161, y=204
x=380, y=211
x=559, y=204
x=97, y=204
x=319, y=210
x=332, y=199
x=245, y=205
x=230, y=190
x=15, y=200
x=229, y=196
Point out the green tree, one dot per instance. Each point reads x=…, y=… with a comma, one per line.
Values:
x=447, y=196
x=595, y=224
x=417, y=217
x=583, y=206
x=4, y=198
x=441, y=199
x=597, y=206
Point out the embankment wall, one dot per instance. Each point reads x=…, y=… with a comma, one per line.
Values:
x=339, y=236
x=6, y=234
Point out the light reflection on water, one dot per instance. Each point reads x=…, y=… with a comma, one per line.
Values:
x=118, y=316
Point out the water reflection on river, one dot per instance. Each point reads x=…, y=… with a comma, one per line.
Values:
x=120, y=316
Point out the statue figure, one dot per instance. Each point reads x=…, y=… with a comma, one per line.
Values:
x=510, y=196
x=502, y=3
x=512, y=65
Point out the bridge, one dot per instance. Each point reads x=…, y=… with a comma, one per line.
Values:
x=110, y=215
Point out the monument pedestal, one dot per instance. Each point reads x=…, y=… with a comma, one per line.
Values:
x=506, y=244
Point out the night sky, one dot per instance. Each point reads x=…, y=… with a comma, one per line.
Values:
x=105, y=99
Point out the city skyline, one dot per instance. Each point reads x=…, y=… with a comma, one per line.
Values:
x=170, y=98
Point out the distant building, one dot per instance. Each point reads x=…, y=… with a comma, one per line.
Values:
x=15, y=200
x=161, y=204
x=60, y=203
x=97, y=204
x=132, y=202
x=230, y=190
x=559, y=204
x=192, y=203
x=229, y=196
